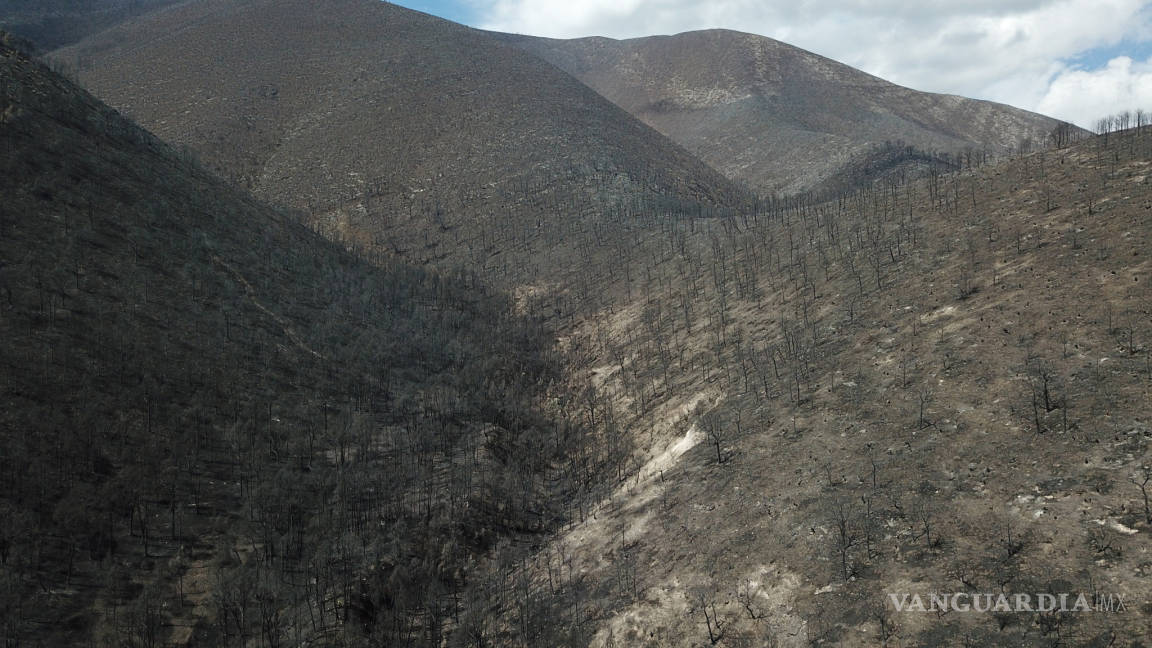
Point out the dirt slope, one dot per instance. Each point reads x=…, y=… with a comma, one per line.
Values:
x=55, y=23
x=775, y=116
x=394, y=129
x=927, y=388
x=218, y=427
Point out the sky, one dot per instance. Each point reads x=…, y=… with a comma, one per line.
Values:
x=1077, y=60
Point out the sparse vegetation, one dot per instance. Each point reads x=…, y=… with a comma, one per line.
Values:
x=785, y=120
x=220, y=429
x=695, y=417
x=55, y=23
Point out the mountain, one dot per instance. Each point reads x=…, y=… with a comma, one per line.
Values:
x=919, y=389
x=689, y=425
x=775, y=116
x=54, y=23
x=219, y=428
x=393, y=129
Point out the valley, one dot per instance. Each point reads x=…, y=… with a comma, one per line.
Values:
x=431, y=344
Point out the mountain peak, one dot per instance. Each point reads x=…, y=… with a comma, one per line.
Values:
x=775, y=116
x=378, y=110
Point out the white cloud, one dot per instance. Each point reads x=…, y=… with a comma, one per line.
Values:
x=1012, y=51
x=1083, y=96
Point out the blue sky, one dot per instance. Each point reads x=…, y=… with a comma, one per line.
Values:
x=454, y=10
x=1073, y=59
x=1098, y=57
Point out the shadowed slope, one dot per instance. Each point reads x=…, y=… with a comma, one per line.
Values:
x=208, y=410
x=55, y=23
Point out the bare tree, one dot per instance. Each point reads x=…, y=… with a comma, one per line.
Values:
x=846, y=537
x=746, y=595
x=704, y=599
x=1142, y=480
x=1061, y=135
x=925, y=397
x=716, y=434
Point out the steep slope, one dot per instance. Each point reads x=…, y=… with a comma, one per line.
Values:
x=55, y=23
x=924, y=388
x=394, y=129
x=218, y=428
x=775, y=116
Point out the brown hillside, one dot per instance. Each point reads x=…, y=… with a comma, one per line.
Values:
x=394, y=129
x=930, y=387
x=55, y=23
x=219, y=429
x=775, y=116
x=789, y=412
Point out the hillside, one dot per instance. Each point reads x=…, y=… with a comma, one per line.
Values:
x=928, y=387
x=396, y=131
x=696, y=421
x=55, y=23
x=218, y=428
x=777, y=117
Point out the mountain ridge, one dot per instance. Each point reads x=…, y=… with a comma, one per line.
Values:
x=368, y=116
x=689, y=425
x=50, y=24
x=773, y=115
x=219, y=427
